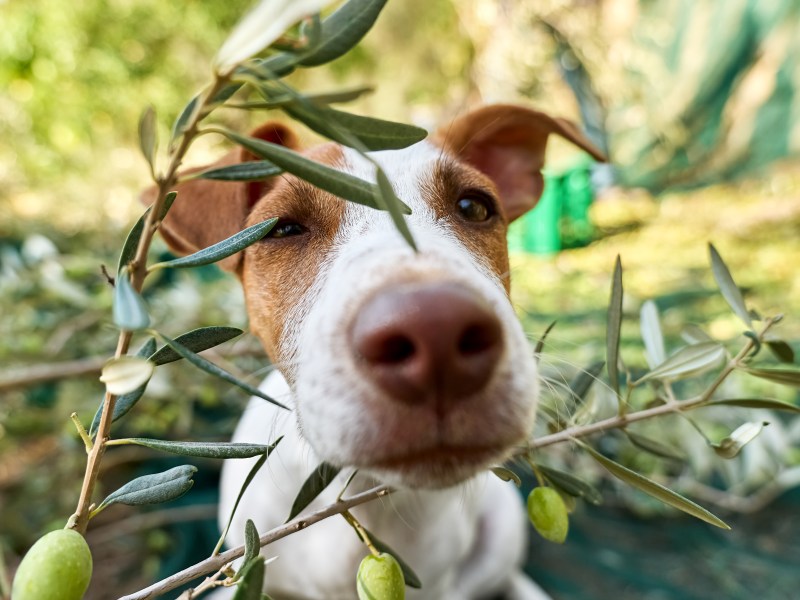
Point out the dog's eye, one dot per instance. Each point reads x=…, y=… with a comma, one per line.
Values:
x=475, y=208
x=285, y=229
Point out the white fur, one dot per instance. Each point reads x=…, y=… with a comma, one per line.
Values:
x=465, y=541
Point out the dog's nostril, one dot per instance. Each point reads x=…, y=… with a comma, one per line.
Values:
x=477, y=339
x=395, y=349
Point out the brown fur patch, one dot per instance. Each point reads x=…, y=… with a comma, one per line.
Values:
x=448, y=182
x=278, y=272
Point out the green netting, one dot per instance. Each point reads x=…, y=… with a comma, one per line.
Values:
x=722, y=95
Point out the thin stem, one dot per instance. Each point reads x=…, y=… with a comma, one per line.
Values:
x=618, y=421
x=217, y=562
x=138, y=266
x=87, y=441
x=362, y=533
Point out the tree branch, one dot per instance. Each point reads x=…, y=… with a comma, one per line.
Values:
x=215, y=563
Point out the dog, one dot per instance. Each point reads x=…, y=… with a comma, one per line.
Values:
x=409, y=366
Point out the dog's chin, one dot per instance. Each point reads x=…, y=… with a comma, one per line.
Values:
x=434, y=468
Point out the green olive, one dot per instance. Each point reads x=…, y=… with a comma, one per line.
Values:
x=548, y=513
x=57, y=567
x=380, y=578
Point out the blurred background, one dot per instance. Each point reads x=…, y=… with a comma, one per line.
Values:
x=698, y=106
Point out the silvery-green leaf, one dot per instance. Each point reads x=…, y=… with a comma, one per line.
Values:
x=507, y=475
x=692, y=334
x=132, y=241
x=741, y=436
x=688, y=361
x=782, y=351
x=201, y=449
x=312, y=487
x=196, y=340
x=211, y=368
x=153, y=489
x=337, y=183
x=730, y=291
x=124, y=374
x=342, y=30
x=614, y=327
x=654, y=446
x=250, y=476
x=411, y=578
x=130, y=311
x=571, y=485
x=252, y=544
x=147, y=136
x=656, y=490
x=783, y=376
x=339, y=97
x=254, y=170
x=374, y=134
x=580, y=385
x=182, y=121
x=765, y=403
x=224, y=249
x=651, y=334
x=537, y=350
x=126, y=401
x=251, y=580
x=386, y=199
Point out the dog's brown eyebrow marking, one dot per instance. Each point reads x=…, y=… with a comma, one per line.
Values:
x=442, y=186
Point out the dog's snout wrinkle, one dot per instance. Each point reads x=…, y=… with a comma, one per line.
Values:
x=429, y=344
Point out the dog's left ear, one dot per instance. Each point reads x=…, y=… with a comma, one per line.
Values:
x=507, y=143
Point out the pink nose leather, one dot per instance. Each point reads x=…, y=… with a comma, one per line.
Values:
x=429, y=343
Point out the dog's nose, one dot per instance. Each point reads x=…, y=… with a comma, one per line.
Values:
x=433, y=343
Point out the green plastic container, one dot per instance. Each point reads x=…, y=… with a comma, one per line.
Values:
x=561, y=218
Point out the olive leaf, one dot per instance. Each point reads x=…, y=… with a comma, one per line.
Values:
x=124, y=374
x=336, y=182
x=251, y=580
x=388, y=200
x=200, y=449
x=692, y=334
x=730, y=291
x=656, y=490
x=225, y=248
x=254, y=170
x=129, y=311
x=507, y=475
x=250, y=476
x=312, y=487
x=342, y=30
x=196, y=340
x=765, y=403
x=147, y=137
x=614, y=327
x=252, y=543
x=738, y=439
x=152, y=489
x=125, y=402
x=783, y=376
x=571, y=485
x=687, y=361
x=654, y=447
x=209, y=367
x=782, y=351
x=373, y=134
x=651, y=334
x=581, y=383
x=132, y=241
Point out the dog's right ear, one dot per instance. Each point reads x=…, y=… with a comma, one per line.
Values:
x=207, y=211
